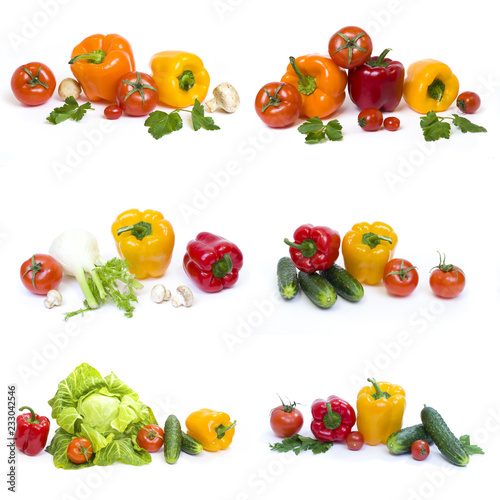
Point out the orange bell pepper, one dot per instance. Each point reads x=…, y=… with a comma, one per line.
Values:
x=321, y=84
x=99, y=62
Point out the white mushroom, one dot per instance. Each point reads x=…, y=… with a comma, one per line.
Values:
x=54, y=298
x=225, y=97
x=69, y=87
x=160, y=294
x=183, y=297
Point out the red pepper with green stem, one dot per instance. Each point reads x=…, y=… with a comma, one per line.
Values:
x=315, y=248
x=32, y=431
x=333, y=419
x=377, y=84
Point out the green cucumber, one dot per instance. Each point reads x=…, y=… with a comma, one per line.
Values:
x=190, y=445
x=318, y=289
x=172, y=439
x=449, y=445
x=400, y=442
x=345, y=284
x=288, y=282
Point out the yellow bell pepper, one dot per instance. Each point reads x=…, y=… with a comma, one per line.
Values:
x=366, y=249
x=213, y=429
x=145, y=240
x=430, y=86
x=380, y=411
x=181, y=78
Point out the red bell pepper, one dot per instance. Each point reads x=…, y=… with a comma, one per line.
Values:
x=377, y=84
x=333, y=419
x=316, y=248
x=32, y=432
x=212, y=262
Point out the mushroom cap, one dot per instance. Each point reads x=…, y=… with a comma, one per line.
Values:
x=226, y=97
x=187, y=297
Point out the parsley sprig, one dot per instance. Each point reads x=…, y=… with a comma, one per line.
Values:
x=161, y=123
x=300, y=443
x=71, y=109
x=316, y=131
x=435, y=127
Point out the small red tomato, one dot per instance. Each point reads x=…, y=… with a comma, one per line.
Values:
x=447, y=281
x=33, y=83
x=355, y=440
x=370, y=119
x=468, y=102
x=420, y=450
x=137, y=94
x=79, y=450
x=150, y=438
x=400, y=277
x=286, y=420
x=41, y=273
x=350, y=47
x=278, y=104
x=113, y=112
x=391, y=123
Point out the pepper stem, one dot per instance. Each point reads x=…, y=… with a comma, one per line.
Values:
x=307, y=83
x=221, y=430
x=436, y=90
x=32, y=419
x=379, y=62
x=379, y=393
x=140, y=229
x=307, y=247
x=95, y=57
x=186, y=80
x=332, y=419
x=222, y=266
x=372, y=239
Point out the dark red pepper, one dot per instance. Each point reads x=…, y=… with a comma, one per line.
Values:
x=377, y=84
x=333, y=419
x=212, y=262
x=315, y=248
x=32, y=432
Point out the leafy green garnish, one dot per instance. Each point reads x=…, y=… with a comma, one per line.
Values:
x=435, y=127
x=70, y=110
x=316, y=131
x=471, y=449
x=300, y=443
x=161, y=123
x=110, y=273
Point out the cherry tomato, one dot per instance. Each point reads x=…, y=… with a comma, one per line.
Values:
x=420, y=450
x=468, y=102
x=113, y=112
x=79, y=450
x=41, y=273
x=447, y=281
x=286, y=420
x=150, y=437
x=370, y=119
x=400, y=277
x=350, y=47
x=278, y=104
x=391, y=123
x=137, y=94
x=33, y=83
x=355, y=440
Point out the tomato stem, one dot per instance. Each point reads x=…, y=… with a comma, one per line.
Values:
x=274, y=100
x=138, y=86
x=35, y=80
x=350, y=44
x=34, y=268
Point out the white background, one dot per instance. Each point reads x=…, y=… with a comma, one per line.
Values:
x=235, y=350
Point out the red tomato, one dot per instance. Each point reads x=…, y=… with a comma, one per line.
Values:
x=150, y=437
x=355, y=440
x=420, y=450
x=447, y=281
x=391, y=123
x=400, y=277
x=286, y=420
x=33, y=83
x=370, y=119
x=41, y=273
x=278, y=104
x=113, y=112
x=79, y=450
x=137, y=94
x=350, y=47
x=468, y=102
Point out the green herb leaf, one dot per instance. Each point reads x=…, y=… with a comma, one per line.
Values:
x=466, y=125
x=471, y=449
x=70, y=110
x=199, y=118
x=334, y=130
x=315, y=137
x=311, y=125
x=434, y=127
x=316, y=131
x=300, y=443
x=161, y=123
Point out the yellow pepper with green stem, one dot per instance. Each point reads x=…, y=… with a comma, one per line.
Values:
x=213, y=429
